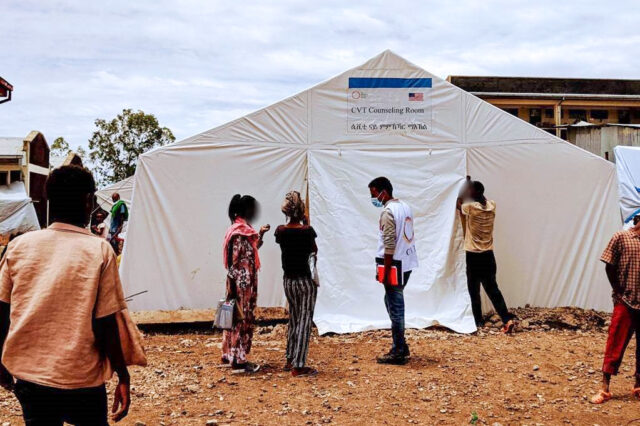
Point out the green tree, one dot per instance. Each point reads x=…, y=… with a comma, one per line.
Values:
x=82, y=153
x=59, y=147
x=116, y=144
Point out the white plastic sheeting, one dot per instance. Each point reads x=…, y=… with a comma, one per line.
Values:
x=557, y=205
x=628, y=169
x=123, y=187
x=17, y=214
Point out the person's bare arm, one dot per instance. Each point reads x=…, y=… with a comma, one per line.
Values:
x=263, y=230
x=6, y=379
x=108, y=339
x=612, y=275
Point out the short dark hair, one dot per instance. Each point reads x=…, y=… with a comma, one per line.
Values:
x=478, y=187
x=382, y=184
x=67, y=189
x=242, y=206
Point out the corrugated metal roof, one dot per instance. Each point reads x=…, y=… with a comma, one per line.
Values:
x=586, y=124
x=547, y=85
x=556, y=95
x=635, y=126
x=11, y=146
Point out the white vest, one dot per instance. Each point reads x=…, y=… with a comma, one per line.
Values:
x=405, y=239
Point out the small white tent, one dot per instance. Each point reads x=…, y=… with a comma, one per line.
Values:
x=17, y=214
x=628, y=169
x=557, y=204
x=123, y=187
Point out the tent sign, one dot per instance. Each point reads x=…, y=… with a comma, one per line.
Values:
x=389, y=105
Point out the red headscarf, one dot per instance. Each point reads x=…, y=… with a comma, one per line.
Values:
x=241, y=227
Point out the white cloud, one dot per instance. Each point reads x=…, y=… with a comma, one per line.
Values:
x=196, y=64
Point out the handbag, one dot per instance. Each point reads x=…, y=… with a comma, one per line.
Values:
x=224, y=314
x=313, y=260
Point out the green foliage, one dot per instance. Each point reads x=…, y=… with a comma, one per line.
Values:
x=116, y=144
x=59, y=147
x=474, y=418
x=82, y=153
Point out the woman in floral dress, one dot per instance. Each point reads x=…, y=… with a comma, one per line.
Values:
x=242, y=261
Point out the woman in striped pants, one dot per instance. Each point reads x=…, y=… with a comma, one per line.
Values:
x=297, y=242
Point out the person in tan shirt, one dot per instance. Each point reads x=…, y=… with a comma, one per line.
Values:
x=59, y=296
x=478, y=216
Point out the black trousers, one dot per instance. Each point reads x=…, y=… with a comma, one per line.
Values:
x=45, y=406
x=481, y=269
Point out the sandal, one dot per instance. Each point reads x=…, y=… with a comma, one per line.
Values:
x=601, y=397
x=509, y=327
x=636, y=392
x=288, y=366
x=248, y=368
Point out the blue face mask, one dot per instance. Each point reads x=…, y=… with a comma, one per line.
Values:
x=376, y=202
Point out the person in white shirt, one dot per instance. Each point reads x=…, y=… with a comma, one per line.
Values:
x=100, y=228
x=396, y=247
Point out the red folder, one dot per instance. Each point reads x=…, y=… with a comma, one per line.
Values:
x=395, y=275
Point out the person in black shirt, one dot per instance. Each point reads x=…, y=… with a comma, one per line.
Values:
x=297, y=242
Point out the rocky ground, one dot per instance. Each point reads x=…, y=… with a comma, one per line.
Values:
x=543, y=374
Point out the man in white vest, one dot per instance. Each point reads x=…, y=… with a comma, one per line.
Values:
x=396, y=258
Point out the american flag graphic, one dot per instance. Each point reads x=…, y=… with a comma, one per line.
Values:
x=416, y=97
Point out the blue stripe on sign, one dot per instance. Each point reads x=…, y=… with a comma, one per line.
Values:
x=387, y=83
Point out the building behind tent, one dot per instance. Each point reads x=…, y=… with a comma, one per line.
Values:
x=27, y=159
x=69, y=159
x=5, y=91
x=554, y=103
x=601, y=139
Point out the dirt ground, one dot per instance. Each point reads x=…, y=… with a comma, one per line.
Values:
x=543, y=374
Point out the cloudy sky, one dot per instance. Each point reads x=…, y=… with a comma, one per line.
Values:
x=199, y=63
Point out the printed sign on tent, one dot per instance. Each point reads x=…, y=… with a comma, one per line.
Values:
x=389, y=105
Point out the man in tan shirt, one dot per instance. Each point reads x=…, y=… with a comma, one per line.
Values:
x=59, y=293
x=478, y=216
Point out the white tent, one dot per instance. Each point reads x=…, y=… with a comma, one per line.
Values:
x=628, y=169
x=557, y=204
x=123, y=187
x=17, y=214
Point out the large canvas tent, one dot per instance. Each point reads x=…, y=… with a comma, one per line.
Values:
x=628, y=169
x=557, y=204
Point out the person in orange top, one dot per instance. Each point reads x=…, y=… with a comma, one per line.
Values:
x=59, y=297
